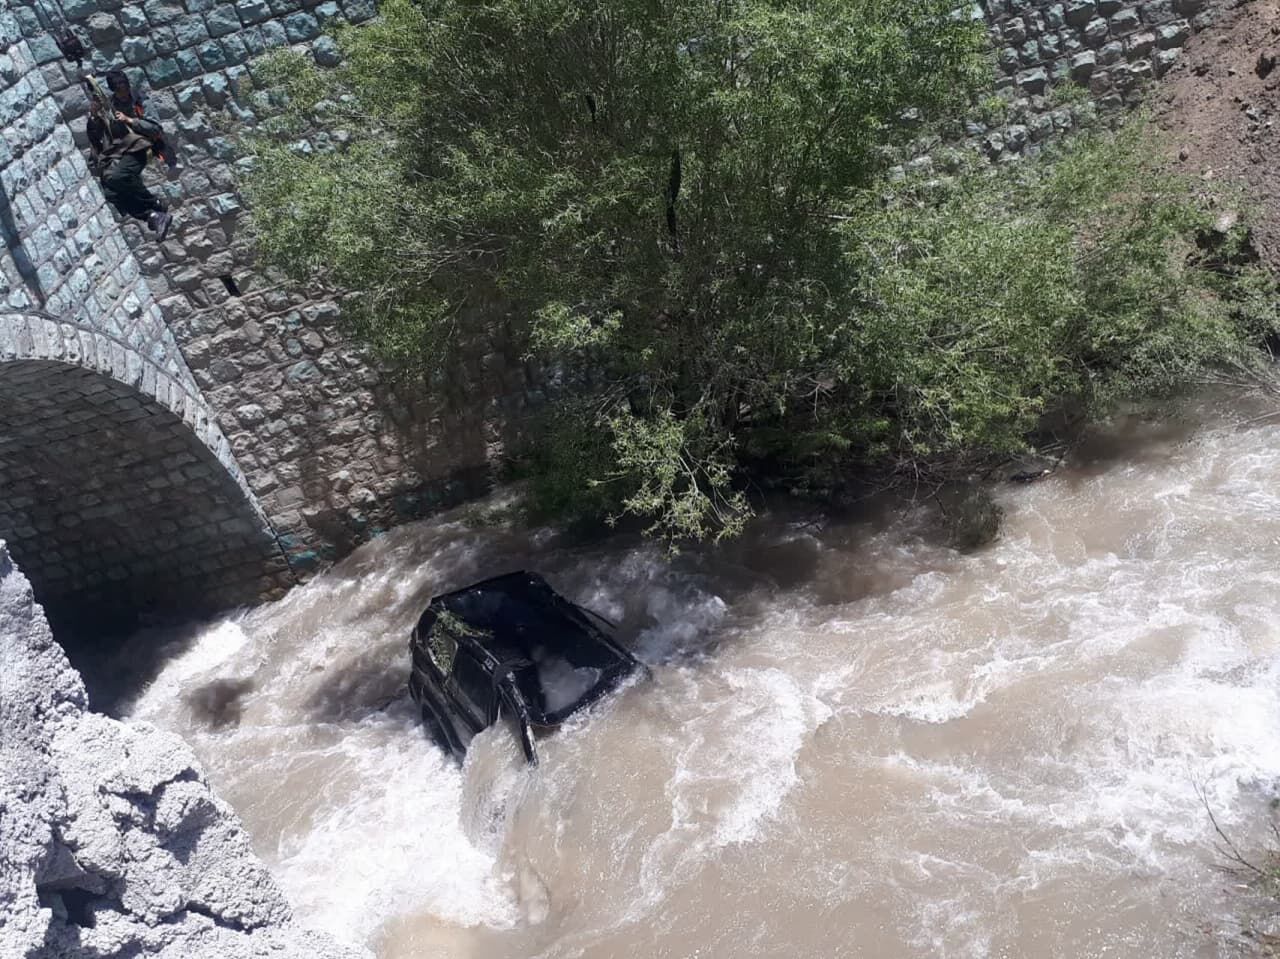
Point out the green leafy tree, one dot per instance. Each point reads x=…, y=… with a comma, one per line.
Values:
x=1058, y=287
x=686, y=204
x=654, y=185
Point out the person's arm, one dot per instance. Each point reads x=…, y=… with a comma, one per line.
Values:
x=143, y=124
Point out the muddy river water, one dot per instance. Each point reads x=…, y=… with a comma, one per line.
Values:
x=855, y=741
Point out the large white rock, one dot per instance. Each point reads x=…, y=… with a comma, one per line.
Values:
x=111, y=841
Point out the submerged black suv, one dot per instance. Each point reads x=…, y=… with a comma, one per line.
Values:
x=509, y=647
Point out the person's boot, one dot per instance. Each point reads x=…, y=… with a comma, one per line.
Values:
x=160, y=221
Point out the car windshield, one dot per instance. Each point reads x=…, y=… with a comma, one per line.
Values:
x=562, y=683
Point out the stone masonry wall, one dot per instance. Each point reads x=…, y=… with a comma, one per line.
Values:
x=1106, y=52
x=88, y=365
x=330, y=445
x=115, y=504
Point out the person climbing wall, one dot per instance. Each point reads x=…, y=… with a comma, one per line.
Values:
x=121, y=139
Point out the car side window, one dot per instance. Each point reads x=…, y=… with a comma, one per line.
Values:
x=475, y=686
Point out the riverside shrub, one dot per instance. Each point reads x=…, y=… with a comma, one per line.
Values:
x=686, y=203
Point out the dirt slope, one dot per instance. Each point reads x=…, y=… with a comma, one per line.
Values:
x=1220, y=106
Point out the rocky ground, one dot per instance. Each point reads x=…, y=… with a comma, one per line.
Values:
x=114, y=846
x=1220, y=108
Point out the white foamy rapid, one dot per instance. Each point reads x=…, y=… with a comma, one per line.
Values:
x=855, y=741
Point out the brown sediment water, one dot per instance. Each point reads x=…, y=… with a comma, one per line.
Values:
x=855, y=741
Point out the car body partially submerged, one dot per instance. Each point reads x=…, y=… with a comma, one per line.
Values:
x=509, y=648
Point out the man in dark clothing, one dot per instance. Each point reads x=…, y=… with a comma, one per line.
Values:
x=120, y=141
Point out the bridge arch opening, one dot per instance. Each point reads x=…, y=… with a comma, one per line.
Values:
x=116, y=495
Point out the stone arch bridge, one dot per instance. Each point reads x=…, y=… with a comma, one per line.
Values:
x=118, y=491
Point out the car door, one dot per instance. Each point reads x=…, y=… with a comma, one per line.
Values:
x=471, y=688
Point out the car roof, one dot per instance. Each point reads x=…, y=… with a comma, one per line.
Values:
x=518, y=619
x=501, y=607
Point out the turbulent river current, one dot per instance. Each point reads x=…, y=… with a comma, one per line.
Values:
x=855, y=741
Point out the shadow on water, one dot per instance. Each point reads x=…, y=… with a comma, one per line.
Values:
x=219, y=704
x=360, y=690
x=1153, y=434
x=666, y=607
x=1132, y=441
x=633, y=584
x=115, y=667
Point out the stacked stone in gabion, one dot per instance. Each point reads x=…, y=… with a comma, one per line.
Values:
x=1110, y=46
x=1105, y=51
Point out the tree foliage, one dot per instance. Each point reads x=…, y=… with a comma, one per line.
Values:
x=686, y=203
x=1092, y=276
